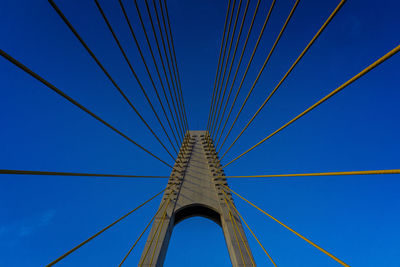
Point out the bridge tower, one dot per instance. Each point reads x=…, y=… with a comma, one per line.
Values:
x=194, y=189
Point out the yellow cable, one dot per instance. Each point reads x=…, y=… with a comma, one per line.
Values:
x=101, y=231
x=241, y=236
x=25, y=172
x=158, y=236
x=152, y=238
x=237, y=69
x=366, y=70
x=237, y=240
x=231, y=65
x=140, y=236
x=248, y=227
x=245, y=244
x=234, y=231
x=218, y=92
x=262, y=69
x=216, y=74
x=246, y=71
x=394, y=171
x=288, y=72
x=219, y=104
x=290, y=229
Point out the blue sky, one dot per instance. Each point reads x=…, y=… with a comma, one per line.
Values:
x=355, y=218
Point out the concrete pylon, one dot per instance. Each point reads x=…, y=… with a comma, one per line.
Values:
x=195, y=190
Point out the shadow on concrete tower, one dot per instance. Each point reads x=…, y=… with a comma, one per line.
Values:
x=194, y=189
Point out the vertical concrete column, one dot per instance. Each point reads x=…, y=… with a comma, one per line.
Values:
x=195, y=190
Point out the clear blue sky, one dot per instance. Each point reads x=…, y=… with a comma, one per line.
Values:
x=355, y=218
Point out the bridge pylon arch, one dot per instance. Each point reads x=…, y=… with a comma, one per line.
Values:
x=194, y=189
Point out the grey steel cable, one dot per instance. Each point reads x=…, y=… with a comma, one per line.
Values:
x=158, y=72
x=218, y=64
x=52, y=173
x=73, y=101
x=135, y=75
x=163, y=67
x=105, y=71
x=173, y=82
x=180, y=92
x=148, y=72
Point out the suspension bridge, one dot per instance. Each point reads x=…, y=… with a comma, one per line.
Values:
x=197, y=184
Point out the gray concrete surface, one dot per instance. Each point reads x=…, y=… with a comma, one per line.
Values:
x=195, y=191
